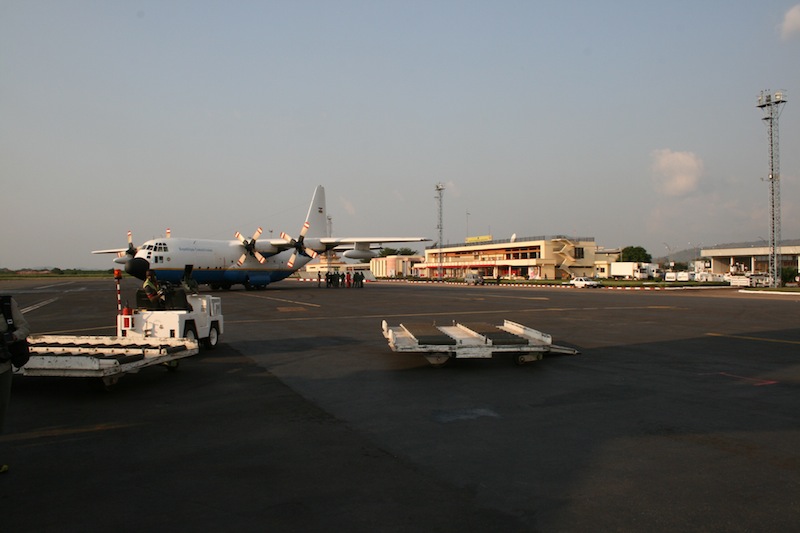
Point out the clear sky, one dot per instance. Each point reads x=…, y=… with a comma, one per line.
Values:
x=633, y=122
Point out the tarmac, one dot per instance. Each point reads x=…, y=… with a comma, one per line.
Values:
x=681, y=413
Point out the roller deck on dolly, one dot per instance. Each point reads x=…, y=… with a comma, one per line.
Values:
x=475, y=340
x=106, y=358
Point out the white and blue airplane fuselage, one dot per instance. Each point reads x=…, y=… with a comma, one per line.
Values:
x=213, y=262
x=253, y=262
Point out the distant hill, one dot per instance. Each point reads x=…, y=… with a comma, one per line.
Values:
x=683, y=256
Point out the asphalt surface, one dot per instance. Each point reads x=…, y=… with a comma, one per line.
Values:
x=681, y=413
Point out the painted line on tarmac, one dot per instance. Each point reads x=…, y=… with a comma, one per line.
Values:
x=281, y=300
x=448, y=314
x=61, y=432
x=34, y=307
x=507, y=297
x=747, y=338
x=757, y=382
x=54, y=285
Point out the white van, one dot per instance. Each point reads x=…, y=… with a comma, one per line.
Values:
x=473, y=278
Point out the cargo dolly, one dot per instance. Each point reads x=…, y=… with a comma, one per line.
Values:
x=107, y=358
x=476, y=340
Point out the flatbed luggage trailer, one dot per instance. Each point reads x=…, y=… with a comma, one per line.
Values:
x=438, y=344
x=107, y=358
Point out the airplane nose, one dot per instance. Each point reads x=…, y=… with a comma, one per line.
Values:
x=137, y=267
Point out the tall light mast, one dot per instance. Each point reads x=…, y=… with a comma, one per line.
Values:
x=440, y=226
x=329, y=253
x=772, y=106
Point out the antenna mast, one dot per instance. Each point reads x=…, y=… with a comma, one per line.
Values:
x=440, y=226
x=772, y=105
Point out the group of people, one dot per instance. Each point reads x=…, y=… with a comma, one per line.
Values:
x=341, y=279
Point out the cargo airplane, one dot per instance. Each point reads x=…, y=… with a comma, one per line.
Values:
x=251, y=262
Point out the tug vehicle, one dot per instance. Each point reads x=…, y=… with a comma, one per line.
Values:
x=189, y=316
x=145, y=336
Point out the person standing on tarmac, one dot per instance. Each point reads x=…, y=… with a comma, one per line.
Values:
x=21, y=331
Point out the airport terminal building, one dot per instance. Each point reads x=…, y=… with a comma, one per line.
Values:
x=542, y=257
x=749, y=258
x=558, y=257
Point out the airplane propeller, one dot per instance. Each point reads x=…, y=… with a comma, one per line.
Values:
x=131, y=251
x=123, y=256
x=250, y=247
x=299, y=247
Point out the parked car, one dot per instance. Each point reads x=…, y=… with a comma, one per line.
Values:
x=473, y=279
x=583, y=283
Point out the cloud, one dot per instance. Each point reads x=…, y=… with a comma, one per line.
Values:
x=347, y=205
x=452, y=189
x=675, y=173
x=790, y=26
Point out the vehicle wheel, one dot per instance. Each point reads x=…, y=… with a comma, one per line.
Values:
x=107, y=383
x=212, y=340
x=189, y=332
x=519, y=359
x=172, y=366
x=437, y=361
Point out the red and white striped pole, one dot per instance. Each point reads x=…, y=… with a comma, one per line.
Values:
x=117, y=278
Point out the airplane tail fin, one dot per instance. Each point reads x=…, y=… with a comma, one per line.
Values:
x=317, y=216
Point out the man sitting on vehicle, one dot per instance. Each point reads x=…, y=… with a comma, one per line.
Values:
x=155, y=296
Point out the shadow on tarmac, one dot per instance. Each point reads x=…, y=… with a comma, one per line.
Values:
x=217, y=446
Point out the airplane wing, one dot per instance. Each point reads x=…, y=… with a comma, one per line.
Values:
x=111, y=251
x=311, y=239
x=278, y=244
x=352, y=247
x=338, y=241
x=330, y=243
x=361, y=247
